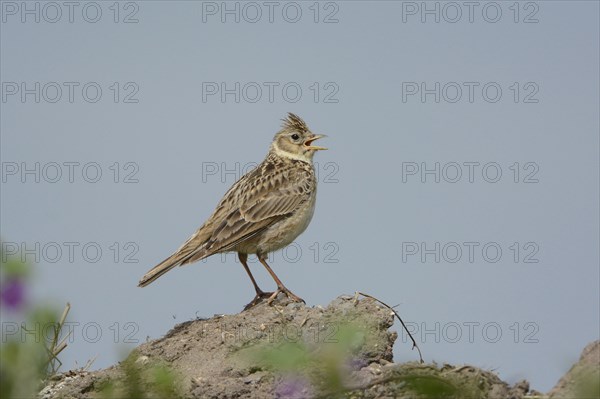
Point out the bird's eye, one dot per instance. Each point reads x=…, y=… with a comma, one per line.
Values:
x=295, y=137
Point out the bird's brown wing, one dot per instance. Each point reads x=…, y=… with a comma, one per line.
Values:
x=256, y=202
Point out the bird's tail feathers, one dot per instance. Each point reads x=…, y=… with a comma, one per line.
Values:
x=194, y=249
x=179, y=258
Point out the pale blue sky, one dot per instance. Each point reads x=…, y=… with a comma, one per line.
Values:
x=357, y=78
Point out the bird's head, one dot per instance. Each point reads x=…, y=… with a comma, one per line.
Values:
x=295, y=140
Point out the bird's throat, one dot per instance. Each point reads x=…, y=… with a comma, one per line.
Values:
x=290, y=155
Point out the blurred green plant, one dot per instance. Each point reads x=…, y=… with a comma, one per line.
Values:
x=328, y=369
x=31, y=340
x=308, y=370
x=587, y=383
x=428, y=383
x=141, y=380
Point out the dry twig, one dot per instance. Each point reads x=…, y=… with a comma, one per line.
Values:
x=399, y=318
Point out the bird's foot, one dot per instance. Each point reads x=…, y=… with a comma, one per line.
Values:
x=260, y=296
x=291, y=296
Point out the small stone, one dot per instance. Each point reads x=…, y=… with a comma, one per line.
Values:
x=374, y=368
x=143, y=360
x=253, y=378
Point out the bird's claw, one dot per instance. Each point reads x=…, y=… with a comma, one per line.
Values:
x=291, y=296
x=258, y=298
x=271, y=296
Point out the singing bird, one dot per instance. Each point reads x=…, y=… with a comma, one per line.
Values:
x=265, y=210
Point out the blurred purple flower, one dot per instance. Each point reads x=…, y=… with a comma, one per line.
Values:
x=12, y=293
x=293, y=387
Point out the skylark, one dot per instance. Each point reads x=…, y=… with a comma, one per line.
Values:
x=265, y=210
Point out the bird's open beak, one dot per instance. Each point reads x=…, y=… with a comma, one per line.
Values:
x=308, y=142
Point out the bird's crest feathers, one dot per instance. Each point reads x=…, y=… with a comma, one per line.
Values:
x=294, y=123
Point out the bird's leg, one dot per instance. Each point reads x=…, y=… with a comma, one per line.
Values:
x=244, y=259
x=280, y=286
x=260, y=294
